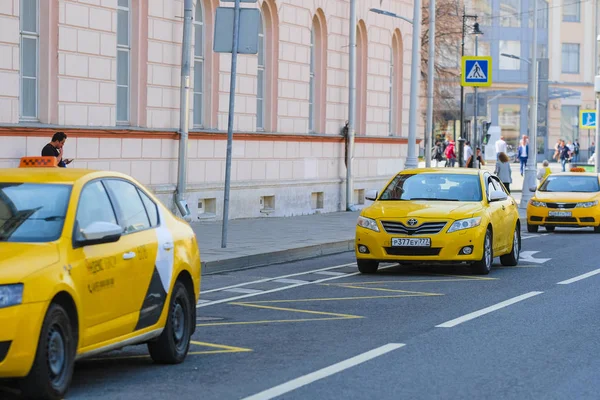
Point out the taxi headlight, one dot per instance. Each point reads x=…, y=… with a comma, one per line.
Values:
x=11, y=295
x=368, y=223
x=464, y=224
x=587, y=204
x=536, y=203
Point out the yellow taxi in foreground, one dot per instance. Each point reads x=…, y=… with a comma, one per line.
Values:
x=568, y=199
x=91, y=262
x=439, y=215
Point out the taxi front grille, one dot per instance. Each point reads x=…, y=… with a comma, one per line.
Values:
x=564, y=220
x=561, y=205
x=413, y=251
x=426, y=228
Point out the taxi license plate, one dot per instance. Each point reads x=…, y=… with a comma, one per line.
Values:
x=411, y=242
x=559, y=213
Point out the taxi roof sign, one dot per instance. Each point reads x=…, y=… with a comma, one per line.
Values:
x=38, y=162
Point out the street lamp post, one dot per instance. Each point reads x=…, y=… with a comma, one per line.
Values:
x=411, y=158
x=461, y=144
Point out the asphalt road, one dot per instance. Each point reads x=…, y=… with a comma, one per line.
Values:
x=327, y=332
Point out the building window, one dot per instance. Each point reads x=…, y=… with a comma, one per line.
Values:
x=260, y=78
x=570, y=58
x=311, y=89
x=571, y=11
x=360, y=126
x=123, y=60
x=542, y=14
x=391, y=118
x=510, y=47
x=30, y=35
x=396, y=78
x=198, y=65
x=509, y=120
x=569, y=123
x=510, y=13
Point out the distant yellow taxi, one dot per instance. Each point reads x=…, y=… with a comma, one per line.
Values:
x=91, y=262
x=428, y=216
x=568, y=199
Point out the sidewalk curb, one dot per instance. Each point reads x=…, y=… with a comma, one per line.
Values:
x=276, y=257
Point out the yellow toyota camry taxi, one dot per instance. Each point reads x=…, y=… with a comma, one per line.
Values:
x=439, y=215
x=91, y=262
x=568, y=199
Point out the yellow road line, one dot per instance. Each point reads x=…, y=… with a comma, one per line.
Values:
x=219, y=346
x=337, y=299
x=521, y=266
x=277, y=321
x=295, y=310
x=475, y=278
x=400, y=281
x=393, y=290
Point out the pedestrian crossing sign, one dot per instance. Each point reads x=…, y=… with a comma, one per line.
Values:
x=587, y=119
x=476, y=71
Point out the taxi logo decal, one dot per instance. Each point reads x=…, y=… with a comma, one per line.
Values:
x=153, y=303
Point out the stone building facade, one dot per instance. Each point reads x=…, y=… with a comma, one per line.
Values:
x=107, y=73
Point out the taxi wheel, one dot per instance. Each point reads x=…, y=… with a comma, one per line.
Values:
x=511, y=259
x=597, y=229
x=484, y=266
x=532, y=228
x=367, y=266
x=550, y=228
x=52, y=369
x=173, y=344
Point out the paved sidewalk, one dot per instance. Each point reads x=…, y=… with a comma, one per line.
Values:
x=266, y=241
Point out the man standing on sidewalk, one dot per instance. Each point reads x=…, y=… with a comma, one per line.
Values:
x=55, y=149
x=468, y=153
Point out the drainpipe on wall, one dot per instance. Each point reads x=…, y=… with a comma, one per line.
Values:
x=184, y=114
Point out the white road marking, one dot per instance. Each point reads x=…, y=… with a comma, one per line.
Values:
x=580, y=277
x=527, y=256
x=324, y=373
x=242, y=290
x=331, y=273
x=276, y=277
x=203, y=301
x=534, y=236
x=295, y=285
x=289, y=281
x=487, y=310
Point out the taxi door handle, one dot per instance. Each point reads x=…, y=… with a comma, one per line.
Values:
x=128, y=256
x=168, y=246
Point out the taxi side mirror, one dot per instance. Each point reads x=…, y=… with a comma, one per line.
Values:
x=533, y=189
x=98, y=233
x=498, y=195
x=371, y=195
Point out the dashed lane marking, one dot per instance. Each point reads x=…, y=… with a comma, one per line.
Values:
x=324, y=373
x=331, y=273
x=242, y=290
x=290, y=281
x=487, y=310
x=580, y=277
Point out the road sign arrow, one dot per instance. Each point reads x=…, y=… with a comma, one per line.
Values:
x=527, y=256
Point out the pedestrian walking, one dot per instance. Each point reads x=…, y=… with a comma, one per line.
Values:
x=523, y=153
x=564, y=154
x=468, y=153
x=55, y=149
x=437, y=153
x=501, y=147
x=503, y=171
x=576, y=148
x=450, y=154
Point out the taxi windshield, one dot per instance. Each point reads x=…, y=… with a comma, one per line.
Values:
x=31, y=212
x=570, y=183
x=433, y=187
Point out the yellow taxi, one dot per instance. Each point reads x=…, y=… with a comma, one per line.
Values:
x=91, y=262
x=567, y=199
x=439, y=215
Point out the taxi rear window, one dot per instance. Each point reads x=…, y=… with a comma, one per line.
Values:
x=31, y=212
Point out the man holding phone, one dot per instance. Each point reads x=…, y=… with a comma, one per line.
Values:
x=55, y=149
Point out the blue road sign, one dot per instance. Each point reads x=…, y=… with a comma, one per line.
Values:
x=476, y=71
x=587, y=119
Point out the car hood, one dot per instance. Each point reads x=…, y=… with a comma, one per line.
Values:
x=19, y=260
x=422, y=209
x=565, y=197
